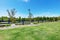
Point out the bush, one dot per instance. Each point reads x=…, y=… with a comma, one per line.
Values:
x=7, y=25
x=35, y=23
x=4, y=25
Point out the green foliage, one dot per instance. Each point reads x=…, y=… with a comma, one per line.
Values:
x=19, y=19
x=38, y=19
x=4, y=18
x=35, y=22
x=6, y=25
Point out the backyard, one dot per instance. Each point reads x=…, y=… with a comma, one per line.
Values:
x=44, y=31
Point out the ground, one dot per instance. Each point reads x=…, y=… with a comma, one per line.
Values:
x=44, y=31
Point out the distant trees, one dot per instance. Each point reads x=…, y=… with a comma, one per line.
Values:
x=23, y=21
x=3, y=19
x=35, y=19
x=46, y=19
x=58, y=18
x=19, y=19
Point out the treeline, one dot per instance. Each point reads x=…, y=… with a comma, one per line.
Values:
x=29, y=19
x=36, y=19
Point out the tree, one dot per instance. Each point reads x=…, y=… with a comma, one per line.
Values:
x=2, y=19
x=23, y=21
x=30, y=15
x=58, y=18
x=11, y=14
x=19, y=19
x=38, y=19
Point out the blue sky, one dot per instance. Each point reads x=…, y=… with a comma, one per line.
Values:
x=38, y=7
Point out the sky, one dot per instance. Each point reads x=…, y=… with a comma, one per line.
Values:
x=37, y=7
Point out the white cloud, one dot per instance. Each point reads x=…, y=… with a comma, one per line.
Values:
x=47, y=14
x=26, y=0
x=3, y=13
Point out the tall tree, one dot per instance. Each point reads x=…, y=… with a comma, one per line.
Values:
x=30, y=15
x=11, y=14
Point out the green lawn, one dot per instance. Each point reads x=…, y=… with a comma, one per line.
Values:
x=46, y=31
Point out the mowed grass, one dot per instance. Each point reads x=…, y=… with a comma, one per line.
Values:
x=45, y=31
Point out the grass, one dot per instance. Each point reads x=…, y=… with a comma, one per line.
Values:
x=45, y=31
